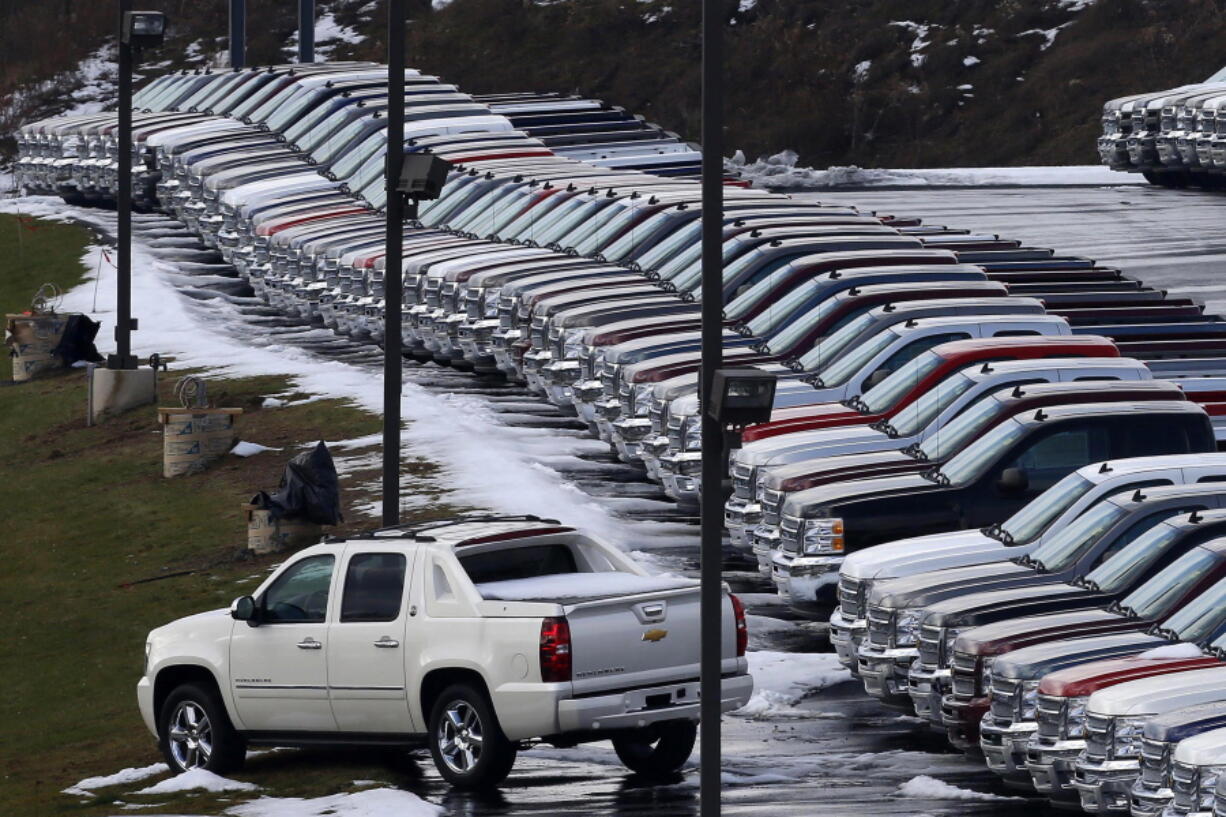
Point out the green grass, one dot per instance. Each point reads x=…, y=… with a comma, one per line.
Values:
x=87, y=513
x=33, y=253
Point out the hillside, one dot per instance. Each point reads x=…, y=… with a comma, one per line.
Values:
x=898, y=83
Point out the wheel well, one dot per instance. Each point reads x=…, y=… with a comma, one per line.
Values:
x=437, y=680
x=171, y=677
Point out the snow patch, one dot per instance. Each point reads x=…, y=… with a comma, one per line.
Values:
x=369, y=803
x=860, y=72
x=198, y=779
x=1181, y=650
x=925, y=786
x=779, y=172
x=579, y=585
x=782, y=679
x=246, y=449
x=970, y=61
x=84, y=788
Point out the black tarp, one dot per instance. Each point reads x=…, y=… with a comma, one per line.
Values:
x=309, y=491
x=77, y=342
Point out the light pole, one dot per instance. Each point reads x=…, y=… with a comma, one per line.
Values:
x=136, y=29
x=392, y=284
x=238, y=33
x=712, y=432
x=306, y=30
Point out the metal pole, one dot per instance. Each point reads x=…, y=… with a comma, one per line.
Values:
x=238, y=33
x=393, y=287
x=306, y=30
x=712, y=433
x=122, y=359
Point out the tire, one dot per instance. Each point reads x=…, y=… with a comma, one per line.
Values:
x=468, y=746
x=208, y=739
x=657, y=751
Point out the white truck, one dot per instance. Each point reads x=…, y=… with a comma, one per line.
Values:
x=474, y=637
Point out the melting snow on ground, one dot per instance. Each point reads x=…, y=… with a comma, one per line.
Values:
x=779, y=172
x=86, y=787
x=925, y=786
x=370, y=803
x=782, y=679
x=197, y=780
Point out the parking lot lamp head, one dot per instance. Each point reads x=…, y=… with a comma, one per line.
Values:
x=144, y=29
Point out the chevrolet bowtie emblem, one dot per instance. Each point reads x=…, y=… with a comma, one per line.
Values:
x=655, y=635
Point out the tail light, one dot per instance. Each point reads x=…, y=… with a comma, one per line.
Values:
x=555, y=650
x=742, y=628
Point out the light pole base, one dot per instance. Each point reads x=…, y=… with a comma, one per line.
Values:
x=112, y=391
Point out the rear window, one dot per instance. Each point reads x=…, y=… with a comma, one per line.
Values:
x=519, y=563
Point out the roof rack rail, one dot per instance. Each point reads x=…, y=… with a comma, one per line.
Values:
x=415, y=531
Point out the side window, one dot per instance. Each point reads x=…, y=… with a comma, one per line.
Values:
x=914, y=349
x=300, y=594
x=374, y=586
x=1014, y=333
x=1053, y=456
x=1143, y=437
x=1138, y=528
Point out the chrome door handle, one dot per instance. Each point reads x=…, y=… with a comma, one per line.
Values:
x=387, y=643
x=309, y=644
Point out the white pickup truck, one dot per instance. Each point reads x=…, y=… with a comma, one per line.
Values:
x=473, y=637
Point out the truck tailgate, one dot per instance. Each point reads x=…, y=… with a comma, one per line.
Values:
x=641, y=639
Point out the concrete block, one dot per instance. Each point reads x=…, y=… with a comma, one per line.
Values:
x=112, y=391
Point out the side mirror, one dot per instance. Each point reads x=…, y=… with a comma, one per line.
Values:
x=875, y=378
x=243, y=609
x=1013, y=481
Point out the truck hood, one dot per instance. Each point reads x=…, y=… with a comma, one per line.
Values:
x=1032, y=663
x=810, y=445
x=1179, y=724
x=195, y=622
x=806, y=504
x=1087, y=679
x=786, y=420
x=1012, y=602
x=841, y=468
x=1018, y=633
x=904, y=557
x=1207, y=749
x=923, y=589
x=1157, y=694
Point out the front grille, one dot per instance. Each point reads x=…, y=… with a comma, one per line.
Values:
x=1050, y=716
x=851, y=591
x=656, y=408
x=880, y=627
x=1219, y=802
x=772, y=508
x=930, y=645
x=1098, y=737
x=964, y=672
x=1185, y=784
x=1155, y=759
x=675, y=424
x=1005, y=696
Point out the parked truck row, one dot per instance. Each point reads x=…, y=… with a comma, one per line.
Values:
x=991, y=466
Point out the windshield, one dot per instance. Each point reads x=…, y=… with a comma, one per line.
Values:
x=919, y=413
x=1066, y=546
x=347, y=166
x=770, y=318
x=743, y=301
x=1153, y=599
x=843, y=369
x=606, y=231
x=1118, y=572
x=791, y=334
x=971, y=461
x=1220, y=76
x=595, y=223
x=951, y=437
x=536, y=215
x=829, y=347
x=633, y=239
x=1041, y=511
x=889, y=391
x=665, y=249
x=690, y=278
x=567, y=219
x=1199, y=619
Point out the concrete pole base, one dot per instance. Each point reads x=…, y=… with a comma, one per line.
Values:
x=112, y=391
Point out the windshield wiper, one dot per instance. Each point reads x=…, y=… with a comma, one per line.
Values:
x=741, y=328
x=916, y=453
x=1038, y=565
x=934, y=474
x=1024, y=560
x=1087, y=583
x=1167, y=633
x=794, y=364
x=760, y=347
x=857, y=403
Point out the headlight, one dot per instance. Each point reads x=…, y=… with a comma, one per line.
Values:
x=1075, y=717
x=1128, y=732
x=1030, y=700
x=1208, y=784
x=572, y=343
x=492, y=295
x=824, y=536
x=907, y=630
x=692, y=428
x=642, y=398
x=988, y=661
